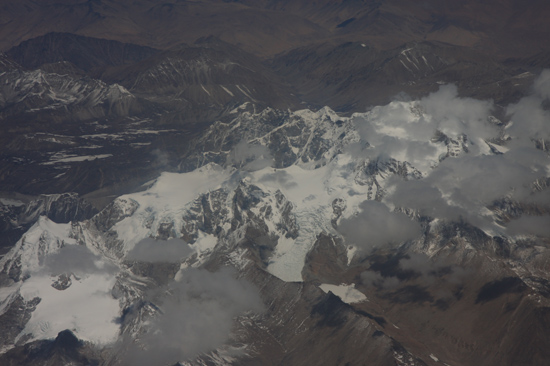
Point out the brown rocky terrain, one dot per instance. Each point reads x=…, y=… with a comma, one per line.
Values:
x=99, y=97
x=501, y=27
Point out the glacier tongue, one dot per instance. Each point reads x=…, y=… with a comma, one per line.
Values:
x=312, y=193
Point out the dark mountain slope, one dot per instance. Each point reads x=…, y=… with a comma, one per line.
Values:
x=90, y=55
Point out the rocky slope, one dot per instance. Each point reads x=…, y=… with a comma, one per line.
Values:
x=300, y=204
x=355, y=75
x=59, y=117
x=266, y=28
x=19, y=212
x=274, y=182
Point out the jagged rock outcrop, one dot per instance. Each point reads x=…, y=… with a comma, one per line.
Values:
x=17, y=215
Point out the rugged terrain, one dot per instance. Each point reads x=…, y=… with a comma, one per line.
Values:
x=274, y=183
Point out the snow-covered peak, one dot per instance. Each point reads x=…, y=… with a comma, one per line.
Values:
x=41, y=90
x=260, y=191
x=43, y=238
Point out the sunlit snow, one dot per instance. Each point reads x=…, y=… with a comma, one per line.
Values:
x=347, y=293
x=87, y=308
x=166, y=201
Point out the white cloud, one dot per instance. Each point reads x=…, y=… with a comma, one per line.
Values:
x=76, y=259
x=376, y=226
x=529, y=118
x=404, y=130
x=530, y=225
x=455, y=116
x=542, y=85
x=196, y=315
x=280, y=177
x=462, y=186
x=152, y=250
x=249, y=157
x=376, y=279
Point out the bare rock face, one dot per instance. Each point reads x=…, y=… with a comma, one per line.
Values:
x=65, y=349
x=301, y=322
x=89, y=55
x=15, y=317
x=114, y=213
x=19, y=212
x=326, y=260
x=367, y=74
x=7, y=64
x=208, y=72
x=63, y=282
x=206, y=214
x=63, y=97
x=62, y=208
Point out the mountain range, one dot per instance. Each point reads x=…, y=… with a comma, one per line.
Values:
x=274, y=182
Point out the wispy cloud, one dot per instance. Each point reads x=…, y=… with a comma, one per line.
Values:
x=404, y=130
x=530, y=225
x=249, y=157
x=153, y=250
x=375, y=226
x=462, y=186
x=530, y=118
x=196, y=315
x=76, y=259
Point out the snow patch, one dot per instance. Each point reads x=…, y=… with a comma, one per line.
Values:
x=227, y=90
x=207, y=92
x=11, y=202
x=347, y=293
x=166, y=202
x=77, y=158
x=87, y=308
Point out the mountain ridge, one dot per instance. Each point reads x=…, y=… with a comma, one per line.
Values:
x=274, y=182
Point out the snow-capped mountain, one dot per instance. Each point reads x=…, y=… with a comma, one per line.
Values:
x=385, y=211
x=274, y=183
x=37, y=91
